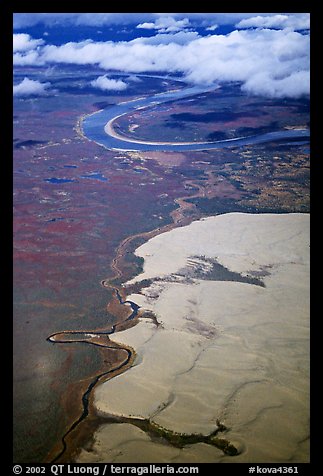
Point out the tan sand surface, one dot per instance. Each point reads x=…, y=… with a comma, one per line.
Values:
x=122, y=443
x=108, y=128
x=226, y=351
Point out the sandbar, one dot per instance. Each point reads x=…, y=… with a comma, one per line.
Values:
x=231, y=294
x=109, y=129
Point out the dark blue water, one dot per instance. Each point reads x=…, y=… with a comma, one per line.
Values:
x=64, y=32
x=59, y=180
x=54, y=219
x=93, y=127
x=94, y=176
x=133, y=305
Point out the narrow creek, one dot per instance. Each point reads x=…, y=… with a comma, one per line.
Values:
x=57, y=338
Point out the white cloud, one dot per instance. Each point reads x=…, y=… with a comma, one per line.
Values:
x=107, y=84
x=134, y=78
x=212, y=27
x=296, y=21
x=166, y=24
x=30, y=58
x=242, y=55
x=24, y=42
x=180, y=37
x=147, y=25
x=294, y=85
x=29, y=87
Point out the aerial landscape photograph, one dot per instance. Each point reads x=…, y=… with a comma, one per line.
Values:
x=161, y=239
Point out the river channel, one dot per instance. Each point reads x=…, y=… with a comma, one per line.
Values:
x=98, y=127
x=67, y=337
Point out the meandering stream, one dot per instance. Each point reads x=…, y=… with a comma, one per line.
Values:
x=91, y=337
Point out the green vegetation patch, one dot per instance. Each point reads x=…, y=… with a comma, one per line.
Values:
x=179, y=440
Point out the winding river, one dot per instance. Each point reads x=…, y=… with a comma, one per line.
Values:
x=98, y=127
x=100, y=339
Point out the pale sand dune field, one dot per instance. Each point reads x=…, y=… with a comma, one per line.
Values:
x=232, y=295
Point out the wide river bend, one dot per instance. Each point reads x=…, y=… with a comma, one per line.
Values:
x=98, y=127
